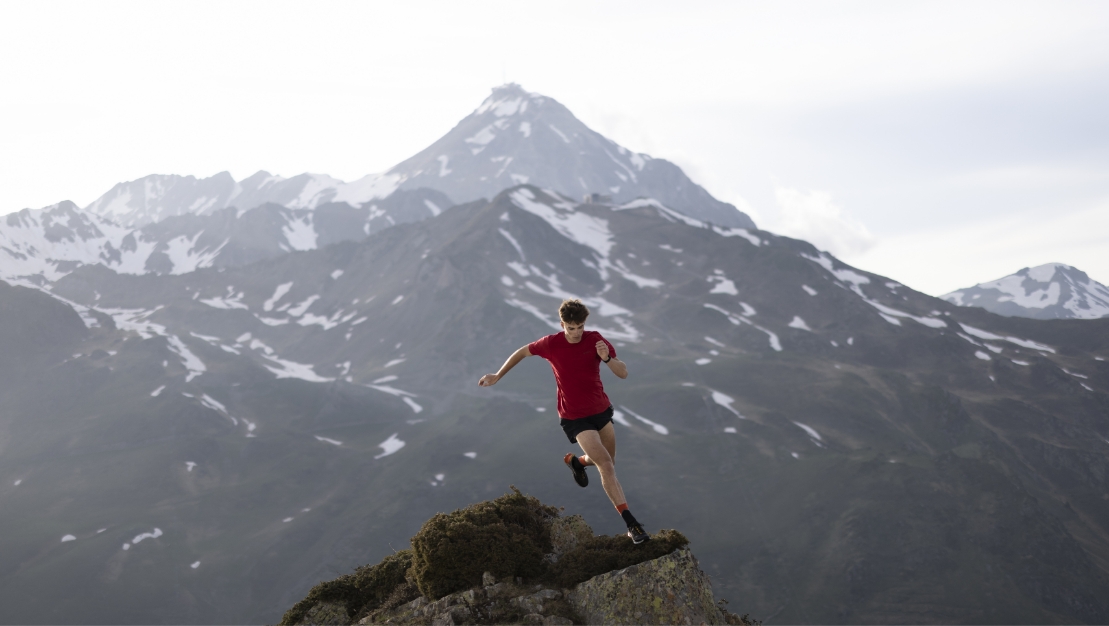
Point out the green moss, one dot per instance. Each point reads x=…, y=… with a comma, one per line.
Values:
x=357, y=593
x=507, y=537
x=605, y=553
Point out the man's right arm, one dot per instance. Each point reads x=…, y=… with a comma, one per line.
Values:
x=491, y=379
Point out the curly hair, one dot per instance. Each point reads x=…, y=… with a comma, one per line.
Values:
x=573, y=311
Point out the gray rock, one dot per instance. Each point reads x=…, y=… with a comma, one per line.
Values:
x=566, y=533
x=535, y=602
x=488, y=580
x=671, y=589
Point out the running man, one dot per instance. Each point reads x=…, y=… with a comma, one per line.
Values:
x=584, y=410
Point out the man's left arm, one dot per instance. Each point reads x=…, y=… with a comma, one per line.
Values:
x=616, y=365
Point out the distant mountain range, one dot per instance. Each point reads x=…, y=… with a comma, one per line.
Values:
x=175, y=224
x=1051, y=291
x=204, y=415
x=514, y=137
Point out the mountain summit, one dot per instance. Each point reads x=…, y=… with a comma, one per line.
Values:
x=514, y=137
x=1049, y=291
x=518, y=137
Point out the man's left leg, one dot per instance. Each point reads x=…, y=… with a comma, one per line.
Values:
x=608, y=440
x=592, y=443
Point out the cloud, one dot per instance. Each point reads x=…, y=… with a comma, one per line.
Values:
x=813, y=216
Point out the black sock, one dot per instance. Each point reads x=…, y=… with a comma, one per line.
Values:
x=629, y=519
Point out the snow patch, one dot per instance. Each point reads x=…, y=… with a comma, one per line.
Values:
x=723, y=285
x=810, y=430
x=618, y=417
x=328, y=440
x=1024, y=343
x=512, y=240
x=658, y=428
x=725, y=401
x=797, y=322
x=278, y=293
x=284, y=368
x=151, y=535
x=390, y=446
x=300, y=308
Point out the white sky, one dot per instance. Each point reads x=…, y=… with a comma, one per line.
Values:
x=940, y=144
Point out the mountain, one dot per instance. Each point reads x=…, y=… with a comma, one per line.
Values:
x=837, y=447
x=176, y=224
x=517, y=137
x=154, y=198
x=514, y=137
x=41, y=246
x=1051, y=291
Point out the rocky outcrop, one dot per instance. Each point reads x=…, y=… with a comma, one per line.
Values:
x=578, y=577
x=668, y=590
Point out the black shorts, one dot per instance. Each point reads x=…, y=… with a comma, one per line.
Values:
x=594, y=422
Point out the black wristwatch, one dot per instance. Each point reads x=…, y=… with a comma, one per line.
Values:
x=607, y=360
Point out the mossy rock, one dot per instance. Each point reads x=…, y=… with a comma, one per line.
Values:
x=506, y=537
x=605, y=553
x=339, y=601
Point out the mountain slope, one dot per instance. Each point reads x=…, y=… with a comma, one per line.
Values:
x=838, y=448
x=1051, y=291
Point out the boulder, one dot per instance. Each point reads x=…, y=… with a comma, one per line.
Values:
x=568, y=533
x=671, y=589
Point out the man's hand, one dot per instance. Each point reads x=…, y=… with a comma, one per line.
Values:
x=602, y=350
x=488, y=380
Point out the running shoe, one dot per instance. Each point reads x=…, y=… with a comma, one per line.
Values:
x=579, y=470
x=638, y=535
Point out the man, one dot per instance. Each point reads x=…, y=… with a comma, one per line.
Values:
x=584, y=410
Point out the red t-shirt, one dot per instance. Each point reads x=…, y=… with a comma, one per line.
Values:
x=577, y=371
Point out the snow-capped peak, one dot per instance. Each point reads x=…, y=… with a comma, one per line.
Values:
x=1049, y=291
x=518, y=137
x=153, y=198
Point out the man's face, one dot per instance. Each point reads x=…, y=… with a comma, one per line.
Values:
x=573, y=331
